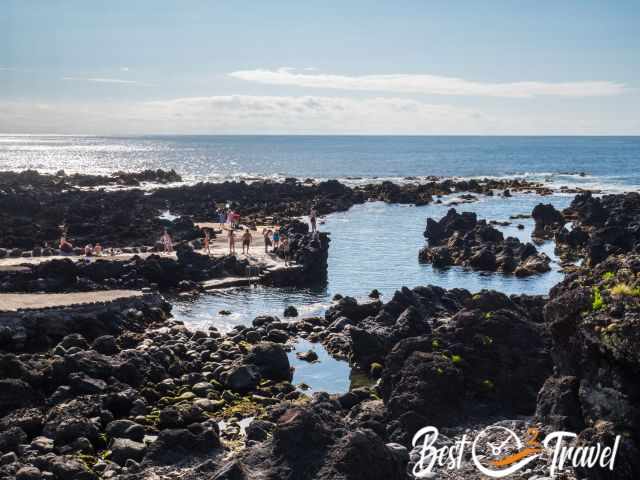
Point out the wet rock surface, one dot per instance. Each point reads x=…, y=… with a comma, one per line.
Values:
x=463, y=240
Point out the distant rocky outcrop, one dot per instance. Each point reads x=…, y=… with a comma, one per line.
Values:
x=461, y=239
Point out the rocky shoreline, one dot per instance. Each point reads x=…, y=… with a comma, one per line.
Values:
x=33, y=206
x=123, y=391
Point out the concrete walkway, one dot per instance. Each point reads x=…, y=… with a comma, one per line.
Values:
x=10, y=302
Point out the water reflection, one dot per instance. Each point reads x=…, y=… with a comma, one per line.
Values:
x=376, y=245
x=327, y=374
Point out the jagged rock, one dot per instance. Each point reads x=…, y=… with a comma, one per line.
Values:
x=460, y=239
x=548, y=220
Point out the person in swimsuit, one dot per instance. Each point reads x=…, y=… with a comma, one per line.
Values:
x=246, y=241
x=276, y=239
x=232, y=242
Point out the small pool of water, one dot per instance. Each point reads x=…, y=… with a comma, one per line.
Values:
x=327, y=374
x=375, y=245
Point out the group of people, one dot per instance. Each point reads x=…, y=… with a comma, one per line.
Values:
x=273, y=238
x=89, y=250
x=247, y=240
x=229, y=217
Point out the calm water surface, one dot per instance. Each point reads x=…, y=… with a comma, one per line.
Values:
x=376, y=245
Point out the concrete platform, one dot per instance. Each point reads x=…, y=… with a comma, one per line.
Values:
x=11, y=302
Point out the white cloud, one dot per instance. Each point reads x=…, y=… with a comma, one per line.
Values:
x=108, y=80
x=430, y=84
x=243, y=114
x=248, y=114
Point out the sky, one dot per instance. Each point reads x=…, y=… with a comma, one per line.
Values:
x=330, y=67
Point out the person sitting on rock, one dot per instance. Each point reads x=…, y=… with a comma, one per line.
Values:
x=246, y=241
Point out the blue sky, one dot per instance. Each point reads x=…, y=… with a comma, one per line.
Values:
x=416, y=67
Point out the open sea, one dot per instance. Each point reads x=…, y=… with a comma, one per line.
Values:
x=612, y=162
x=372, y=245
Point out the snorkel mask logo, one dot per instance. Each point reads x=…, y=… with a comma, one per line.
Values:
x=498, y=452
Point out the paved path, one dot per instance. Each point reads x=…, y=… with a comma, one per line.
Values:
x=219, y=247
x=15, y=301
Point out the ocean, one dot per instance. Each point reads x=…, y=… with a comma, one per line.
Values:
x=611, y=163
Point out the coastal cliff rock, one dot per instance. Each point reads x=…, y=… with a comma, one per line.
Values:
x=593, y=316
x=463, y=240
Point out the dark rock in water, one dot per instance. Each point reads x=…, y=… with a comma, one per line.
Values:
x=548, y=220
x=309, y=356
x=272, y=361
x=290, y=311
x=460, y=239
